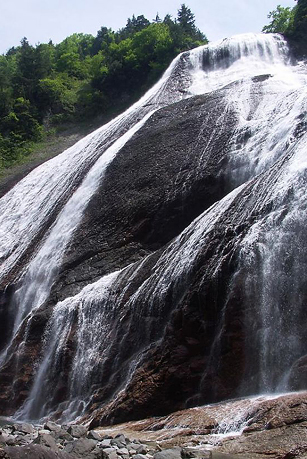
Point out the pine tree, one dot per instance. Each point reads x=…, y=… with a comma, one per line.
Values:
x=300, y=20
x=186, y=19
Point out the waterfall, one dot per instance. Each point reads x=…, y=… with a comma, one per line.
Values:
x=57, y=178
x=265, y=169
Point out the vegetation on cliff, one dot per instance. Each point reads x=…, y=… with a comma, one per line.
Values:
x=84, y=76
x=292, y=22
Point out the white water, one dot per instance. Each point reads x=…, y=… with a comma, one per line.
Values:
x=35, y=203
x=268, y=122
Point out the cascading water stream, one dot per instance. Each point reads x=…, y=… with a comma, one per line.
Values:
x=97, y=304
x=270, y=126
x=24, y=225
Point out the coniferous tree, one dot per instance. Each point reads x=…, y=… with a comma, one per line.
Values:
x=300, y=21
x=186, y=19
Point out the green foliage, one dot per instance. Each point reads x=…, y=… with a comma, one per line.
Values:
x=292, y=22
x=281, y=20
x=300, y=22
x=84, y=76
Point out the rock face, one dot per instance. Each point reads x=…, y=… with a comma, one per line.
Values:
x=270, y=427
x=174, y=272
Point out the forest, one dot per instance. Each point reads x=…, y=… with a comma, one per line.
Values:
x=43, y=87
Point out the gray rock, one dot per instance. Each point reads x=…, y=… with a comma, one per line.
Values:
x=25, y=428
x=133, y=446
x=142, y=449
x=81, y=447
x=188, y=453
x=119, y=441
x=171, y=453
x=105, y=443
x=52, y=426
x=94, y=435
x=77, y=431
x=46, y=431
x=3, y=439
x=109, y=453
x=21, y=440
x=110, y=450
x=3, y=454
x=123, y=453
x=32, y=452
x=139, y=456
x=63, y=435
x=10, y=440
x=46, y=440
x=7, y=439
x=120, y=437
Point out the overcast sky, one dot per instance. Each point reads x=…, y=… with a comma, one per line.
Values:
x=41, y=20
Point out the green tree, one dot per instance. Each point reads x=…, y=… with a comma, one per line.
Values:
x=186, y=19
x=300, y=22
x=281, y=20
x=102, y=40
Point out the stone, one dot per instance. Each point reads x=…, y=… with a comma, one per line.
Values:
x=52, y=426
x=22, y=440
x=46, y=440
x=188, y=453
x=46, y=431
x=63, y=435
x=81, y=448
x=109, y=453
x=94, y=435
x=77, y=430
x=123, y=453
x=139, y=456
x=119, y=441
x=105, y=443
x=133, y=446
x=110, y=450
x=33, y=451
x=171, y=453
x=10, y=440
x=25, y=428
x=142, y=449
x=3, y=439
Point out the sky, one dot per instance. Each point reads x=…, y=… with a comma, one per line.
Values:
x=41, y=20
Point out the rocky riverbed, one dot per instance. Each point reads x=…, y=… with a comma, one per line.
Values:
x=256, y=428
x=52, y=441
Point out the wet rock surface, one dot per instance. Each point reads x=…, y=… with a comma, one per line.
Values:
x=153, y=189
x=271, y=427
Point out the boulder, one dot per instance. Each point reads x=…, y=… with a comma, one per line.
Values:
x=104, y=443
x=33, y=452
x=94, y=435
x=46, y=440
x=77, y=430
x=109, y=453
x=171, y=453
x=83, y=448
x=24, y=428
x=52, y=426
